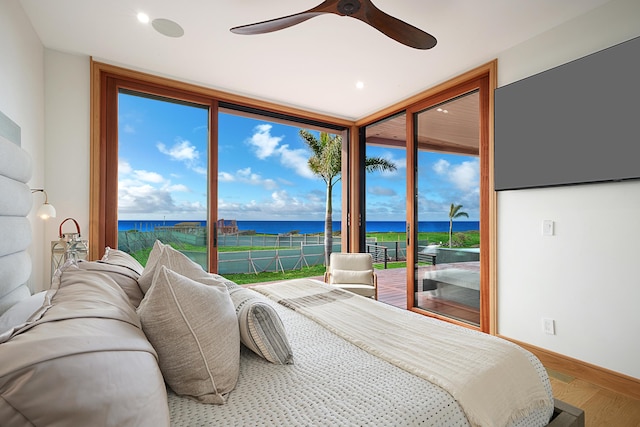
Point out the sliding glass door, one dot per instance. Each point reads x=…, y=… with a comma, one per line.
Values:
x=385, y=205
x=447, y=176
x=163, y=175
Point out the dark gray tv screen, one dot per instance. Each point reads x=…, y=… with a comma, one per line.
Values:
x=573, y=124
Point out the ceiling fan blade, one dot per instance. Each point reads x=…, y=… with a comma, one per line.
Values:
x=398, y=30
x=364, y=10
x=273, y=24
x=327, y=6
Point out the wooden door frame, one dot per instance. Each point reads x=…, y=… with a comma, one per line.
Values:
x=485, y=79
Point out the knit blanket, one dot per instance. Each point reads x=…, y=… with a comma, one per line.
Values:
x=492, y=379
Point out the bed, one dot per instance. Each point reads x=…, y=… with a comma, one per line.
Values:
x=114, y=343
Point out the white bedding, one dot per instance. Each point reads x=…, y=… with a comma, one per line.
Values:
x=332, y=382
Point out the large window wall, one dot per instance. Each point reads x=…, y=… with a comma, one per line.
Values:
x=108, y=80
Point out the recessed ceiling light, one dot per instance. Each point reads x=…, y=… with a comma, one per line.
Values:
x=167, y=27
x=143, y=17
x=360, y=85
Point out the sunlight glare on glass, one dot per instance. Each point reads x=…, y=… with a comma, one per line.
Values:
x=359, y=85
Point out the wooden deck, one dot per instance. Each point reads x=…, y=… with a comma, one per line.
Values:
x=392, y=290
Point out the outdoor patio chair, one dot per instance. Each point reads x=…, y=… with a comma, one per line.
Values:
x=353, y=272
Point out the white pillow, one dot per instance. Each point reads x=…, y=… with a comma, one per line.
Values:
x=121, y=258
x=261, y=329
x=364, y=277
x=146, y=277
x=194, y=329
x=125, y=277
x=19, y=313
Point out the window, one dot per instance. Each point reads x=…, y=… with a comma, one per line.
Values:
x=176, y=182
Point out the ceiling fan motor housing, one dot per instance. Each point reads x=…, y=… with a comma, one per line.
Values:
x=348, y=7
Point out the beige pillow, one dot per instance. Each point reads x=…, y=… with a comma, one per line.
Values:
x=194, y=329
x=121, y=258
x=125, y=277
x=261, y=329
x=364, y=277
x=181, y=264
x=146, y=277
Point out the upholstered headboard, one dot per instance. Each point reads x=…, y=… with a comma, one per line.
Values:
x=15, y=204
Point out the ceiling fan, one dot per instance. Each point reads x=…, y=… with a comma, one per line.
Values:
x=363, y=10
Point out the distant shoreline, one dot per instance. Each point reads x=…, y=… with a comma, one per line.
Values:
x=307, y=227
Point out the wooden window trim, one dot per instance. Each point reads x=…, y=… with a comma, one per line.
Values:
x=105, y=81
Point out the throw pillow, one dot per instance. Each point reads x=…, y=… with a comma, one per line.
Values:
x=194, y=330
x=364, y=277
x=180, y=263
x=261, y=329
x=146, y=277
x=125, y=277
x=121, y=258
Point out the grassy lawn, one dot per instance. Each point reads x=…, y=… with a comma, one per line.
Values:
x=244, y=278
x=467, y=239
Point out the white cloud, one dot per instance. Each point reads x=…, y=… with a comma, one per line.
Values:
x=280, y=204
x=466, y=175
x=124, y=168
x=185, y=152
x=245, y=173
x=400, y=164
x=182, y=150
x=137, y=200
x=266, y=145
x=200, y=170
x=225, y=177
x=246, y=176
x=263, y=142
x=441, y=167
x=177, y=188
x=296, y=160
x=147, y=176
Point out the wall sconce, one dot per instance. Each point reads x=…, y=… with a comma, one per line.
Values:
x=47, y=210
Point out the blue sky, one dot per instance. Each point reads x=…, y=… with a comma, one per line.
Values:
x=262, y=171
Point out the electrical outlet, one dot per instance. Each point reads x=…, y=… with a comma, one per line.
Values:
x=549, y=326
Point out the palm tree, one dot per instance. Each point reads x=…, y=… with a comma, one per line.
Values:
x=326, y=162
x=454, y=212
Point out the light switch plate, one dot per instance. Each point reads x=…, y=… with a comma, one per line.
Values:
x=549, y=326
x=547, y=227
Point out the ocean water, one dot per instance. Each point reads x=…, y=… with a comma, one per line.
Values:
x=310, y=227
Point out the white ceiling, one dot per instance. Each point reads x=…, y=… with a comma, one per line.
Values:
x=313, y=65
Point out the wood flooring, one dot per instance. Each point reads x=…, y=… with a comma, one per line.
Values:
x=602, y=407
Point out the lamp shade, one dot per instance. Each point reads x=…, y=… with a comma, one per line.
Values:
x=46, y=211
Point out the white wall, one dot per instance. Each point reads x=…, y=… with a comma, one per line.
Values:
x=22, y=100
x=586, y=276
x=67, y=106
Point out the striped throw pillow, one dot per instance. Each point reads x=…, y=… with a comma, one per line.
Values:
x=261, y=329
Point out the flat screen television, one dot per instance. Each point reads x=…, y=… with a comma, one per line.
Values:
x=574, y=124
